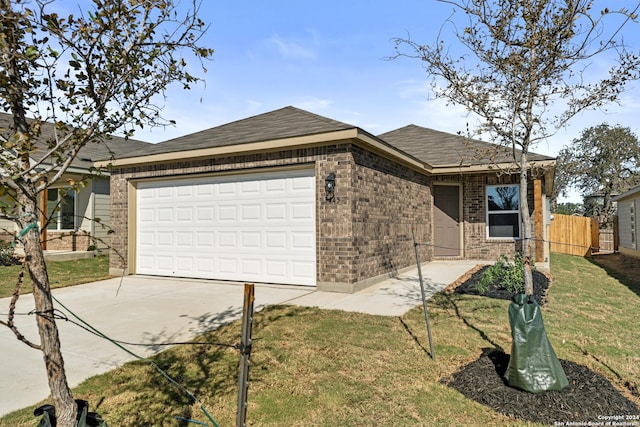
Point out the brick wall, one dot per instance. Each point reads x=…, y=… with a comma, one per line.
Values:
x=475, y=242
x=364, y=232
x=390, y=203
x=334, y=244
x=64, y=241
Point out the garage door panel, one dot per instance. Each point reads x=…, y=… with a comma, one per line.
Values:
x=275, y=212
x=250, y=227
x=164, y=263
x=302, y=240
x=227, y=213
x=250, y=187
x=228, y=239
x=250, y=213
x=276, y=240
x=205, y=213
x=302, y=185
x=184, y=213
x=165, y=192
x=164, y=214
x=276, y=268
x=228, y=267
x=302, y=269
x=184, y=239
x=276, y=186
x=205, y=240
x=302, y=211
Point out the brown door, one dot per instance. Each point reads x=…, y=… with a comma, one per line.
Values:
x=446, y=201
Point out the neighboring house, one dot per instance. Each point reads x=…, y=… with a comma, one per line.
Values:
x=628, y=220
x=291, y=197
x=83, y=218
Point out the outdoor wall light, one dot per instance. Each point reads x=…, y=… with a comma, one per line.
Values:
x=330, y=186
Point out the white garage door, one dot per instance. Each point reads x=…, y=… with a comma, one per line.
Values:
x=256, y=228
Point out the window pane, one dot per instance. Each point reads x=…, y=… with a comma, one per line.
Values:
x=502, y=198
x=504, y=225
x=67, y=214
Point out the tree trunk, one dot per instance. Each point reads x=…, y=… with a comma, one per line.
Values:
x=526, y=225
x=49, y=338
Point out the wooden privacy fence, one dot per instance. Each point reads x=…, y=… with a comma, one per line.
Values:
x=579, y=235
x=572, y=234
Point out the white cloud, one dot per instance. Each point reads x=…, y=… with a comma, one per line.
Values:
x=290, y=49
x=313, y=104
x=253, y=105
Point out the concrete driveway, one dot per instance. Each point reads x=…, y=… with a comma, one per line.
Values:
x=152, y=310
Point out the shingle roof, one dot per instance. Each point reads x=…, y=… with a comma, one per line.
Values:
x=287, y=122
x=432, y=147
x=88, y=154
x=444, y=149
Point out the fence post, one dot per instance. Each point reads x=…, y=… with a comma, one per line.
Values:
x=245, y=354
x=595, y=236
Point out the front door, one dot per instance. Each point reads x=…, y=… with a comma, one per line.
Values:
x=446, y=202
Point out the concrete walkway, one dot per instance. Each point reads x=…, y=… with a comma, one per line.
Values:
x=153, y=310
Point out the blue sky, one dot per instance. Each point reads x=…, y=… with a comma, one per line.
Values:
x=328, y=57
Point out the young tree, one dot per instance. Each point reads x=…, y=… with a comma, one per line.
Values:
x=99, y=72
x=604, y=160
x=523, y=72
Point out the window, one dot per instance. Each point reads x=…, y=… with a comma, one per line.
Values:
x=63, y=201
x=503, y=211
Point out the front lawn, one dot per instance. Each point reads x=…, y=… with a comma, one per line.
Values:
x=313, y=367
x=61, y=274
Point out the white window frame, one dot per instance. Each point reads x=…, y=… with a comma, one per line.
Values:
x=56, y=218
x=490, y=213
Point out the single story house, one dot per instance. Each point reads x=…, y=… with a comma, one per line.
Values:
x=628, y=220
x=82, y=220
x=292, y=197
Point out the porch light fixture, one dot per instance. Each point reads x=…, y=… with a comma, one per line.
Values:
x=330, y=186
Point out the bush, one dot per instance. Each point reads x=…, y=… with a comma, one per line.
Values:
x=504, y=274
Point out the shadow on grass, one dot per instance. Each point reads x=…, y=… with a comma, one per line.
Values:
x=622, y=268
x=415, y=337
x=191, y=369
x=633, y=389
x=450, y=302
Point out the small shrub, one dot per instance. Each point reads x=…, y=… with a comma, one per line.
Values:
x=504, y=274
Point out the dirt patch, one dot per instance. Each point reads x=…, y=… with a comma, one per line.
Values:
x=588, y=397
x=469, y=283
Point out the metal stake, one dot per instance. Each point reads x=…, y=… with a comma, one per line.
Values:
x=424, y=298
x=245, y=354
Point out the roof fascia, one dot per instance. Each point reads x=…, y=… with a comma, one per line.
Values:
x=632, y=192
x=356, y=135
x=491, y=167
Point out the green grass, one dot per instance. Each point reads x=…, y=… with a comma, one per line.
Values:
x=61, y=274
x=313, y=367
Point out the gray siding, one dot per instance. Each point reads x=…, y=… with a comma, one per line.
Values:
x=102, y=212
x=628, y=223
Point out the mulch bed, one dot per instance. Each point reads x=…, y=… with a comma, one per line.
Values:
x=540, y=287
x=588, y=396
